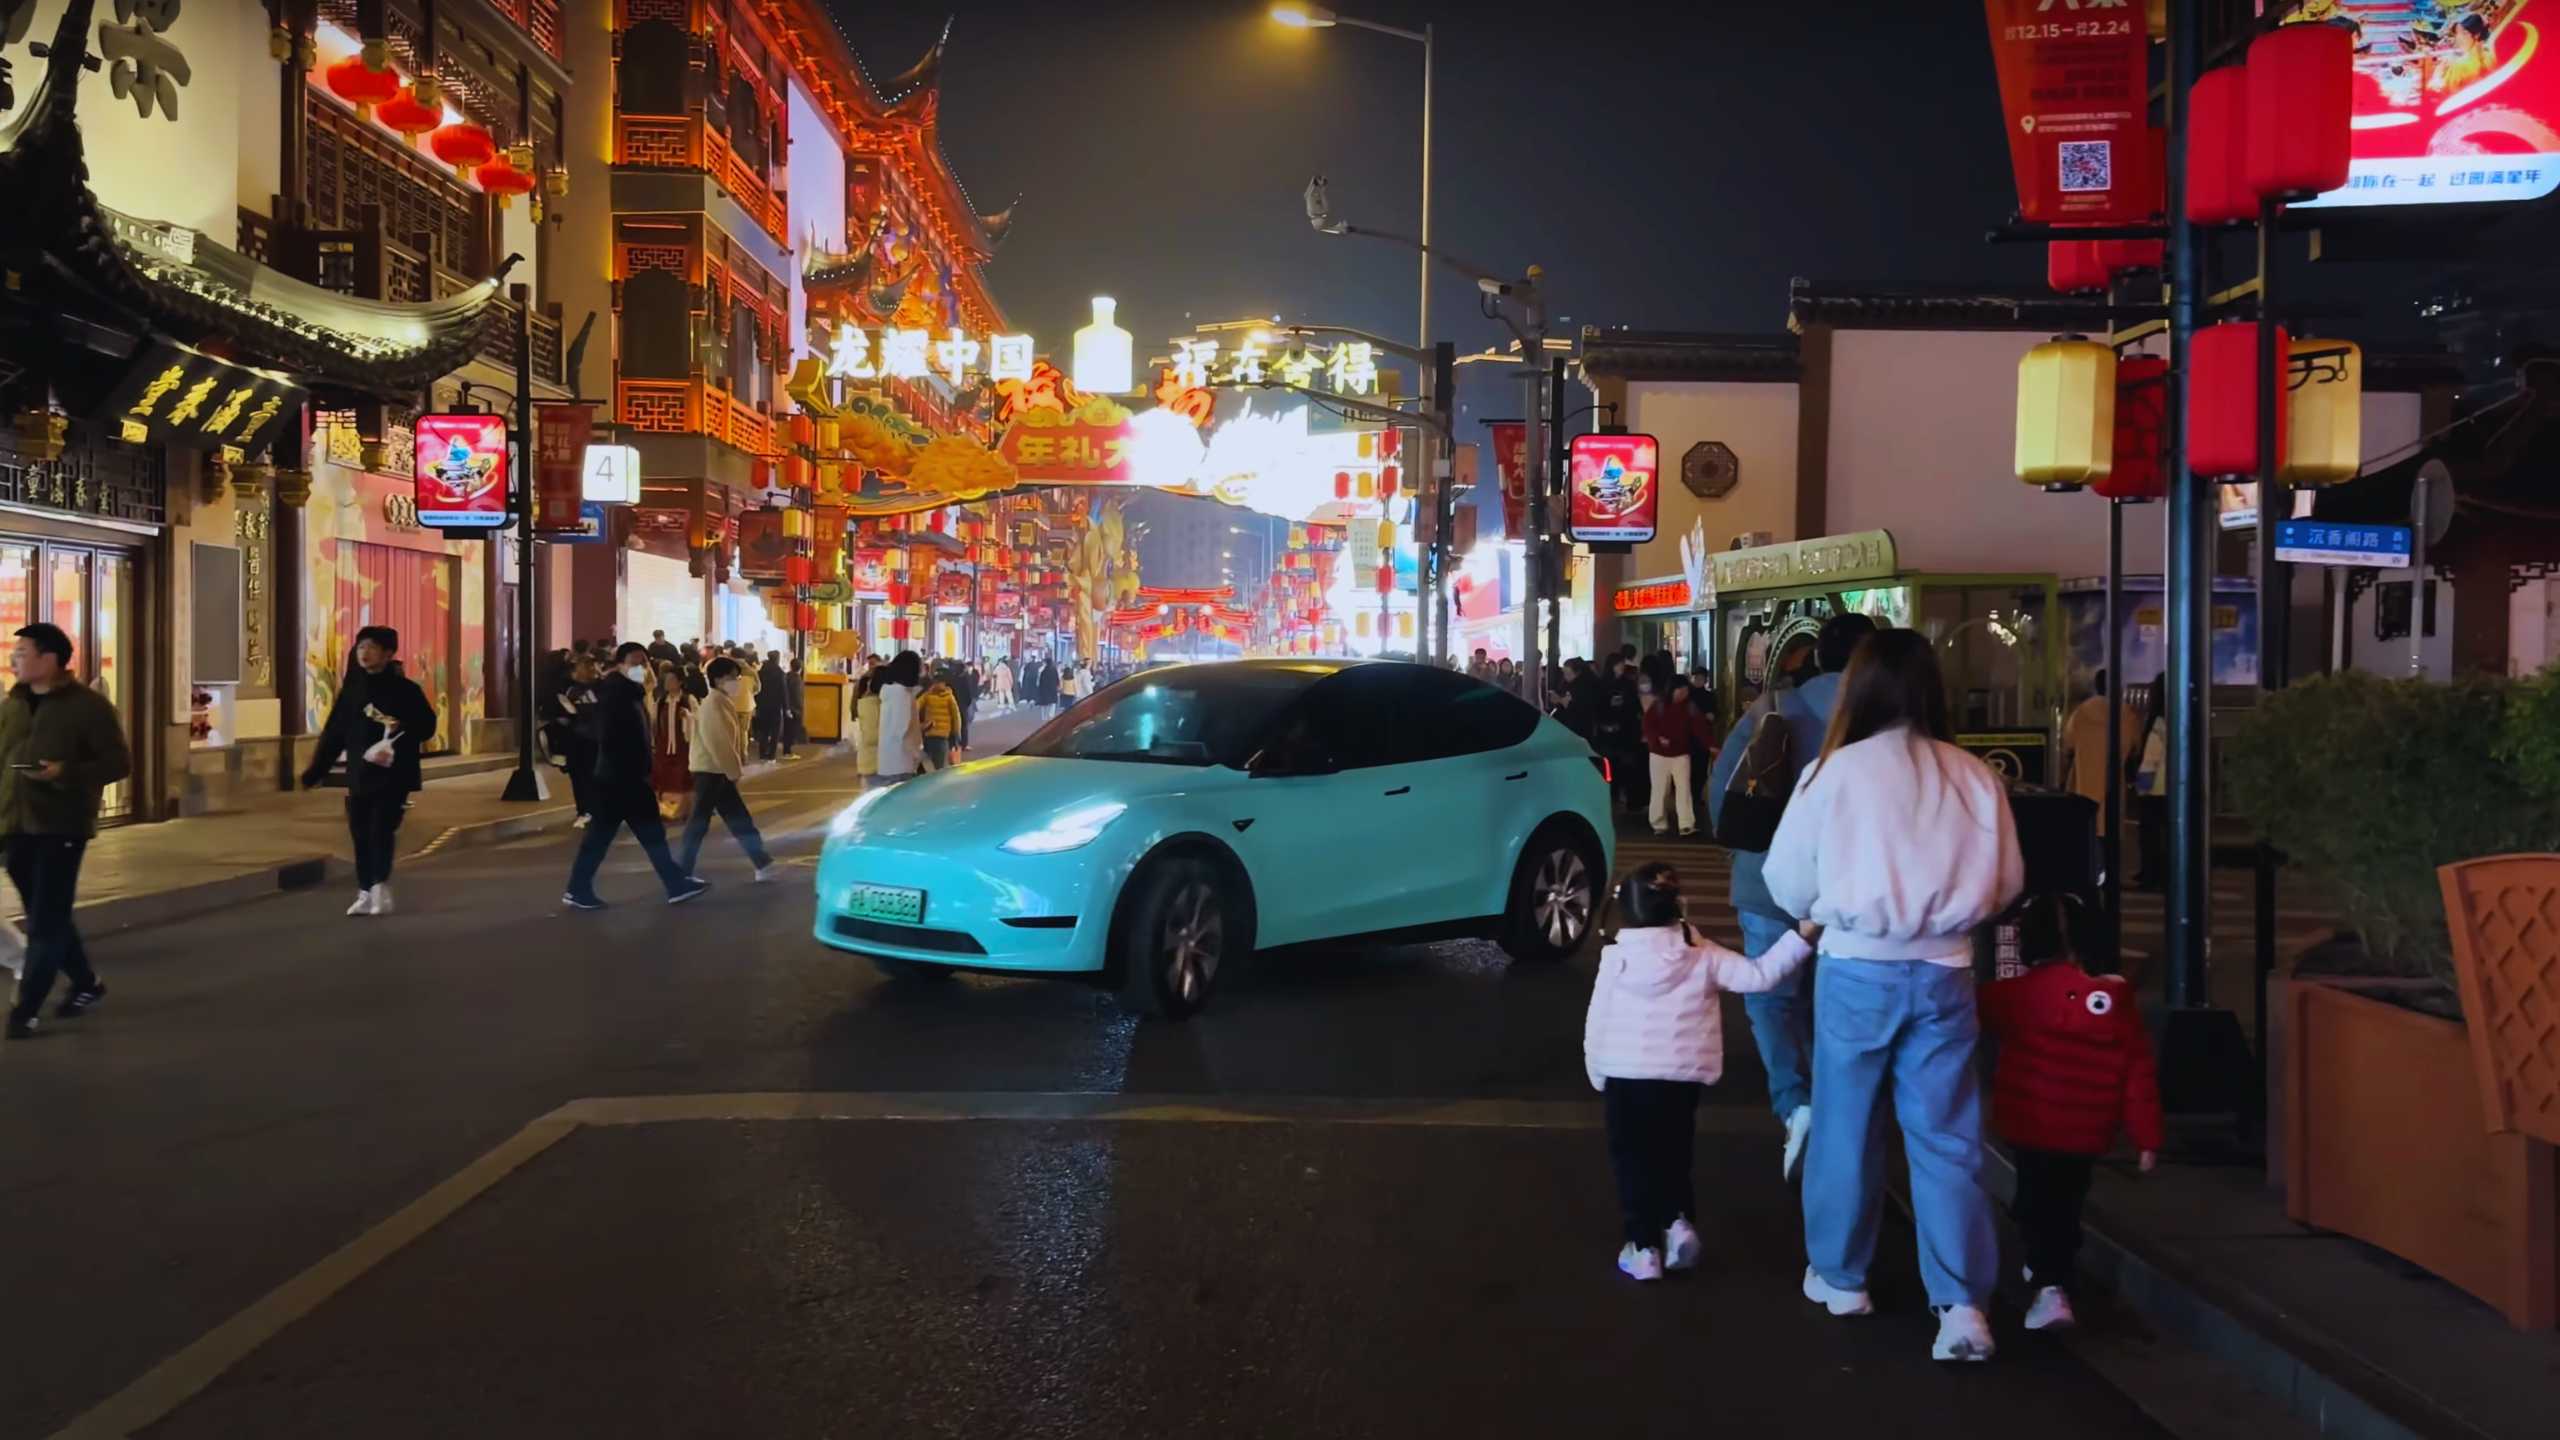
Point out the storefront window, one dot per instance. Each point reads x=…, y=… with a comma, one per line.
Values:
x=1991, y=642
x=17, y=602
x=69, y=591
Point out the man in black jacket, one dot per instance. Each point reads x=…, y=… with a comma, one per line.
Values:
x=61, y=744
x=773, y=704
x=378, y=721
x=621, y=794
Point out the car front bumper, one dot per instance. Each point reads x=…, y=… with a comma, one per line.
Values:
x=1029, y=914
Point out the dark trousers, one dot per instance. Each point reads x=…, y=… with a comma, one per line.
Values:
x=46, y=870
x=719, y=792
x=767, y=728
x=582, y=774
x=2151, y=819
x=617, y=805
x=1653, y=1132
x=374, y=822
x=1629, y=774
x=2051, y=1189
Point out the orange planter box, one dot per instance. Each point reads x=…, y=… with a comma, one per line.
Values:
x=2386, y=1141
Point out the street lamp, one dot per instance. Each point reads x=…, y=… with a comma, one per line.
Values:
x=1316, y=17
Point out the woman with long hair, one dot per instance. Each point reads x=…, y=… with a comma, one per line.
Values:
x=671, y=713
x=1898, y=844
x=901, y=741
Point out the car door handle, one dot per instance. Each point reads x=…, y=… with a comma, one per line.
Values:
x=1401, y=790
x=1521, y=775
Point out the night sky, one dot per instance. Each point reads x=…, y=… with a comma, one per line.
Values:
x=1669, y=173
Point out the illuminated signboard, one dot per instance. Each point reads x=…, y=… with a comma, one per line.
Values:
x=611, y=475
x=1615, y=489
x=901, y=354
x=461, y=474
x=2454, y=104
x=1651, y=595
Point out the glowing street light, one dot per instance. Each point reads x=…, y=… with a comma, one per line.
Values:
x=1303, y=17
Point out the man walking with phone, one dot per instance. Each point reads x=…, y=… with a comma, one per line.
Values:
x=62, y=744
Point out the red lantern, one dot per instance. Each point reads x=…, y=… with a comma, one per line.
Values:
x=901, y=629
x=2142, y=412
x=898, y=594
x=1386, y=578
x=1341, y=484
x=2218, y=190
x=501, y=178
x=464, y=146
x=2222, y=398
x=360, y=85
x=409, y=116
x=799, y=569
x=1388, y=476
x=2117, y=256
x=804, y=617
x=2071, y=266
x=2301, y=97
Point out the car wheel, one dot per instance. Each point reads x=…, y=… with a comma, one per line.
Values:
x=913, y=972
x=1181, y=927
x=1554, y=894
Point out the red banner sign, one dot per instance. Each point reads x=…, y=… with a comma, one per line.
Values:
x=559, y=482
x=1615, y=488
x=2073, y=89
x=1651, y=595
x=1511, y=465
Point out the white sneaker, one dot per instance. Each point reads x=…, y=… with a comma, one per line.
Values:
x=1834, y=1299
x=382, y=899
x=1964, y=1333
x=1680, y=1247
x=2051, y=1310
x=363, y=905
x=1640, y=1262
x=1791, y=1155
x=764, y=874
x=579, y=824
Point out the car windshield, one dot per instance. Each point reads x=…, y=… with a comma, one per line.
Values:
x=1188, y=715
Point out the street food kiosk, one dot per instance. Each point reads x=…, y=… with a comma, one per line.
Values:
x=1748, y=617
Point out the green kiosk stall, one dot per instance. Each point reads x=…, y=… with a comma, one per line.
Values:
x=1753, y=611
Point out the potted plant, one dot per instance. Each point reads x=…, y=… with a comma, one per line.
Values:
x=2369, y=786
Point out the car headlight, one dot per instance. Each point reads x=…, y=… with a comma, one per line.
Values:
x=1070, y=831
x=846, y=819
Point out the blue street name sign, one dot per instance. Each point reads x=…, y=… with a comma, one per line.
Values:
x=2328, y=542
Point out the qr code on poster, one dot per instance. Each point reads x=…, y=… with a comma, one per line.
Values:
x=2087, y=165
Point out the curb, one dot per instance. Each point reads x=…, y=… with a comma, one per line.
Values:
x=2328, y=1389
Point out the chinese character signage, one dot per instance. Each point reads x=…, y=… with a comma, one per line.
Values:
x=2326, y=542
x=1614, y=488
x=180, y=396
x=462, y=472
x=1089, y=447
x=2454, y=103
x=2073, y=91
x=1511, y=466
x=559, y=450
x=1652, y=597
x=953, y=356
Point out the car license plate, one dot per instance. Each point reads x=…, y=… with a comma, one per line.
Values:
x=888, y=902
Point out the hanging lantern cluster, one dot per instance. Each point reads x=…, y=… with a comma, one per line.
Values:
x=2142, y=415
x=2279, y=127
x=464, y=146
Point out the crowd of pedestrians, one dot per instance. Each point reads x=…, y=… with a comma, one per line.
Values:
x=1858, y=910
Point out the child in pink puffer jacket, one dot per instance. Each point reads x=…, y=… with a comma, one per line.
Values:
x=1653, y=1037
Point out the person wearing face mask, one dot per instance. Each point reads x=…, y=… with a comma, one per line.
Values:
x=719, y=761
x=622, y=796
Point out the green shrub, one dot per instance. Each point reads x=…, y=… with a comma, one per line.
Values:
x=2370, y=784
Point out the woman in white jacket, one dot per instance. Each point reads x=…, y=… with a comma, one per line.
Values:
x=1897, y=844
x=1653, y=1037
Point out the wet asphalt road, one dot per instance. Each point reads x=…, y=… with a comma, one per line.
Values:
x=272, y=1083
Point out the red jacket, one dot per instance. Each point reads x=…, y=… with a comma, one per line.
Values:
x=2075, y=1062
x=1670, y=729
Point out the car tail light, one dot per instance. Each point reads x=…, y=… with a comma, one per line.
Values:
x=1601, y=764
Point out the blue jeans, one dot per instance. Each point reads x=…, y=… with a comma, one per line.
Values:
x=1903, y=1029
x=1781, y=1019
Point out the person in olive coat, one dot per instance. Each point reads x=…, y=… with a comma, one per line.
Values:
x=61, y=745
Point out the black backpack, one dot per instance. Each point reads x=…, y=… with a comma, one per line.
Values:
x=1756, y=794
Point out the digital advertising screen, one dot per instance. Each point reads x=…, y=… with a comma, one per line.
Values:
x=462, y=475
x=1616, y=488
x=2456, y=101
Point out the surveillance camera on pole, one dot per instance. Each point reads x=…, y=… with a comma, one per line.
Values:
x=1320, y=208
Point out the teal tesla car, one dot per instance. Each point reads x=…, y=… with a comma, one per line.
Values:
x=1168, y=826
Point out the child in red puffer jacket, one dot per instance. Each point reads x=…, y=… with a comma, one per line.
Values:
x=2075, y=1068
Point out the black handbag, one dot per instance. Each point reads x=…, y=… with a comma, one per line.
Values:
x=1756, y=794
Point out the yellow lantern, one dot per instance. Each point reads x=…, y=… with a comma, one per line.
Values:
x=2066, y=413
x=2325, y=420
x=1386, y=534
x=795, y=524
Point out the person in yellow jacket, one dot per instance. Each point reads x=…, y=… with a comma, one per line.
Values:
x=719, y=761
x=938, y=718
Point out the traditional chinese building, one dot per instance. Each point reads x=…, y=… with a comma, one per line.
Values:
x=766, y=194
x=228, y=286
